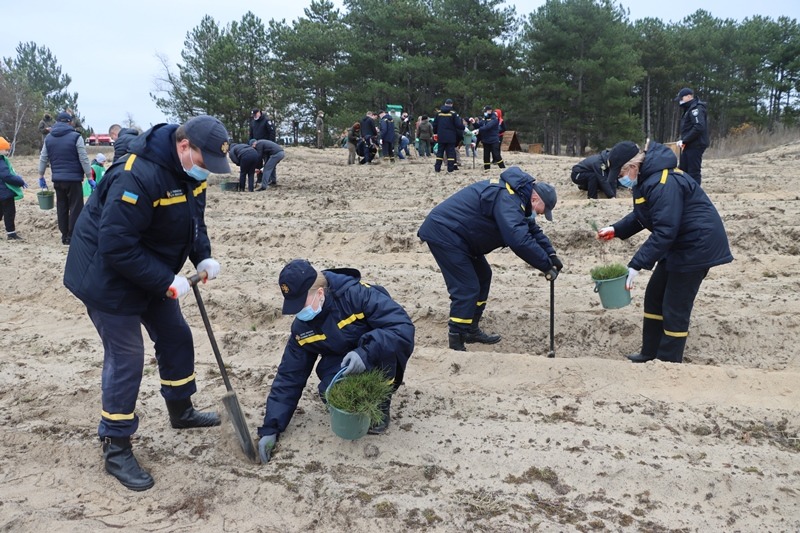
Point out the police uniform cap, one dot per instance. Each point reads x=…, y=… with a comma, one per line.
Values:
x=683, y=92
x=210, y=136
x=548, y=195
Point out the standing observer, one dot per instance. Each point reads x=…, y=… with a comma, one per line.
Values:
x=480, y=218
x=447, y=132
x=488, y=133
x=686, y=239
x=694, y=133
x=140, y=225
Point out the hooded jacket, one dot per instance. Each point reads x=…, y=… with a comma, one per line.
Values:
x=686, y=229
x=488, y=215
x=65, y=151
x=124, y=138
x=448, y=126
x=138, y=228
x=355, y=316
x=694, y=124
x=489, y=129
x=244, y=155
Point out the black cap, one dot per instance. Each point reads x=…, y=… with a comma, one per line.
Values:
x=64, y=117
x=256, y=110
x=487, y=108
x=683, y=92
x=621, y=153
x=295, y=280
x=548, y=195
x=210, y=136
x=448, y=102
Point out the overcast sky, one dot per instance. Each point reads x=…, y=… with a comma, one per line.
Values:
x=110, y=48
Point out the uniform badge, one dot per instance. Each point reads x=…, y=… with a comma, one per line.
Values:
x=695, y=112
x=285, y=288
x=174, y=192
x=224, y=147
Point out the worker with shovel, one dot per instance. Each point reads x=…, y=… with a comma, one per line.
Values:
x=348, y=324
x=129, y=245
x=480, y=218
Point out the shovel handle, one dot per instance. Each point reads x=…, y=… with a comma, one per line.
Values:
x=194, y=279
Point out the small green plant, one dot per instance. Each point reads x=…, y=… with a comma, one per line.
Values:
x=614, y=270
x=362, y=393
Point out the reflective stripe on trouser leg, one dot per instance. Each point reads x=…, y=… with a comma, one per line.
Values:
x=679, y=296
x=174, y=348
x=497, y=159
x=653, y=321
x=123, y=362
x=463, y=284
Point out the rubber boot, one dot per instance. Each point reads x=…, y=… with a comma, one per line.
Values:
x=652, y=331
x=380, y=429
x=121, y=464
x=183, y=415
x=475, y=334
x=457, y=341
x=14, y=237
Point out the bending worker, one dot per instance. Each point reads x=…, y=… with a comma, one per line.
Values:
x=686, y=239
x=348, y=324
x=480, y=218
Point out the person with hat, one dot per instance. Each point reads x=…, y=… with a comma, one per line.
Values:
x=447, y=132
x=387, y=135
x=479, y=218
x=320, y=123
x=340, y=322
x=65, y=152
x=270, y=154
x=249, y=161
x=260, y=127
x=11, y=185
x=686, y=239
x=694, y=133
x=143, y=221
x=488, y=133
x=592, y=174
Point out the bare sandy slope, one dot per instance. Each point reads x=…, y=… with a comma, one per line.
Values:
x=498, y=439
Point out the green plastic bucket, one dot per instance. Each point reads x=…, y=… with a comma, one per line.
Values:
x=613, y=293
x=349, y=426
x=46, y=199
x=229, y=185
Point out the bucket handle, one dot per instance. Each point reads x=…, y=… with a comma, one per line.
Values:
x=338, y=377
x=597, y=286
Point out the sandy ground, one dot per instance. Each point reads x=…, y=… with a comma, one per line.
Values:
x=500, y=438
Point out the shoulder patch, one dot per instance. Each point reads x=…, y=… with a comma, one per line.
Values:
x=130, y=197
x=695, y=112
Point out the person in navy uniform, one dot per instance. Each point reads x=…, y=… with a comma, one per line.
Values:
x=479, y=218
x=488, y=133
x=694, y=133
x=686, y=239
x=130, y=243
x=249, y=161
x=448, y=130
x=591, y=175
x=346, y=323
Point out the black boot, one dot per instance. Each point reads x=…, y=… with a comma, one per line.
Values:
x=457, y=341
x=14, y=237
x=639, y=358
x=121, y=464
x=380, y=429
x=477, y=335
x=183, y=415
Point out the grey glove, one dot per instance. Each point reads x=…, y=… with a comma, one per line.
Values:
x=265, y=446
x=353, y=363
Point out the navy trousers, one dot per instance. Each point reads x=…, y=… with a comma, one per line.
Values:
x=448, y=149
x=123, y=361
x=691, y=161
x=468, y=279
x=492, y=151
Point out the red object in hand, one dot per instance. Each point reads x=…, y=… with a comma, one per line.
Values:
x=435, y=137
x=605, y=234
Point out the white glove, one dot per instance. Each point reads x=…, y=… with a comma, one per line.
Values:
x=605, y=234
x=180, y=287
x=632, y=273
x=680, y=143
x=211, y=266
x=353, y=363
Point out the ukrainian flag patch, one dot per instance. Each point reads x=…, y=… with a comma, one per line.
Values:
x=130, y=197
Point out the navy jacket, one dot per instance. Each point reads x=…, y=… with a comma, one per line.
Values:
x=489, y=130
x=686, y=229
x=124, y=138
x=448, y=126
x=596, y=165
x=65, y=150
x=368, y=128
x=244, y=155
x=262, y=129
x=6, y=176
x=267, y=149
x=355, y=316
x=387, y=128
x=488, y=215
x=138, y=228
x=694, y=124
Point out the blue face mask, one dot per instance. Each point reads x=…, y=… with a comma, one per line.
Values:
x=196, y=173
x=308, y=312
x=625, y=181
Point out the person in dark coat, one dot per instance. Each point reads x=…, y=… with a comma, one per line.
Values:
x=425, y=136
x=121, y=138
x=353, y=136
x=65, y=152
x=694, y=133
x=488, y=133
x=271, y=154
x=11, y=185
x=387, y=135
x=592, y=174
x=448, y=130
x=340, y=322
x=369, y=132
x=260, y=127
x=45, y=125
x=130, y=244
x=686, y=239
x=479, y=218
x=249, y=160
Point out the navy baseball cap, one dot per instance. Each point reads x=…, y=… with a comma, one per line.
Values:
x=683, y=92
x=621, y=153
x=210, y=136
x=295, y=280
x=548, y=195
x=64, y=117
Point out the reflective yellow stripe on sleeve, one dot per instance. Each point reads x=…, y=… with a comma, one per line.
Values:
x=664, y=175
x=349, y=320
x=129, y=162
x=315, y=338
x=200, y=188
x=178, y=382
x=170, y=201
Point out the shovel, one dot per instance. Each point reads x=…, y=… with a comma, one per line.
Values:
x=229, y=400
x=552, y=352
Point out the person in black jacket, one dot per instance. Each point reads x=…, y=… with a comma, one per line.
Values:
x=592, y=174
x=249, y=160
x=344, y=322
x=121, y=137
x=448, y=130
x=387, y=134
x=488, y=133
x=260, y=127
x=369, y=132
x=143, y=221
x=694, y=133
x=271, y=153
x=480, y=218
x=686, y=239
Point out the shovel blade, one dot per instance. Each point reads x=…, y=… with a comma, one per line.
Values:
x=231, y=403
